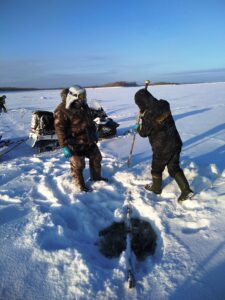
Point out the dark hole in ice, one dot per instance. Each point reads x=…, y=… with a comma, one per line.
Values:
x=113, y=239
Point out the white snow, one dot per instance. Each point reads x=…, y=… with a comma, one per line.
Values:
x=49, y=232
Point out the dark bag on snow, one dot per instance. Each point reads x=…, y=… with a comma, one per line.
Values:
x=42, y=122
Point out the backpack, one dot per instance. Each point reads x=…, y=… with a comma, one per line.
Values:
x=42, y=122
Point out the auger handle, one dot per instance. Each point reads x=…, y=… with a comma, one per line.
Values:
x=147, y=82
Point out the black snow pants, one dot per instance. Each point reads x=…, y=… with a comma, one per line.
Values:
x=171, y=162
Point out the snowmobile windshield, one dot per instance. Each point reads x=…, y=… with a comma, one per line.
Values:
x=95, y=105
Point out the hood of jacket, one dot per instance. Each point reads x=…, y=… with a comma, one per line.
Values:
x=63, y=95
x=68, y=101
x=144, y=99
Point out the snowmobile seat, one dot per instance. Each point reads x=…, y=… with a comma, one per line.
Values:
x=42, y=122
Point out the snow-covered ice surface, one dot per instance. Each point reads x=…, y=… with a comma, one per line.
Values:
x=49, y=232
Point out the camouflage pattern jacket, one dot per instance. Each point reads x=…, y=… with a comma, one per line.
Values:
x=158, y=124
x=74, y=127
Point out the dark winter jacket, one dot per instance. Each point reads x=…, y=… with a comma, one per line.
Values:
x=2, y=104
x=2, y=101
x=157, y=124
x=74, y=127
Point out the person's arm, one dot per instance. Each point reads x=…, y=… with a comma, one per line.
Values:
x=61, y=127
x=163, y=111
x=146, y=125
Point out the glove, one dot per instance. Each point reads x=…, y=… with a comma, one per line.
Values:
x=67, y=152
x=135, y=127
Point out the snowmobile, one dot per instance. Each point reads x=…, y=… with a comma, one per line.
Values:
x=43, y=135
x=42, y=131
x=106, y=127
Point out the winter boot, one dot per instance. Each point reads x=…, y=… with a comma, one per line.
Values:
x=156, y=186
x=79, y=181
x=183, y=184
x=101, y=179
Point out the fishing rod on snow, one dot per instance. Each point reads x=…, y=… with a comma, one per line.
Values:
x=147, y=82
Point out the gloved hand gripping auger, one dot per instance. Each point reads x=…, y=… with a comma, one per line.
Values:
x=135, y=128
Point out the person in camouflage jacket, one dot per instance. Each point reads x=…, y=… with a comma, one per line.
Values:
x=158, y=125
x=76, y=133
x=2, y=104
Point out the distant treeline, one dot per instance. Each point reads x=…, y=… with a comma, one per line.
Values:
x=16, y=89
x=164, y=83
x=112, y=84
x=117, y=83
x=130, y=84
x=12, y=89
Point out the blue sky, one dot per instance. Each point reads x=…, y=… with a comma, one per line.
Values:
x=57, y=43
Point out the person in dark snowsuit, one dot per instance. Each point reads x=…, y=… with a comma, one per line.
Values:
x=2, y=104
x=76, y=133
x=159, y=126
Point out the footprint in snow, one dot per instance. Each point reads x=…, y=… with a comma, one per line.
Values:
x=194, y=227
x=191, y=204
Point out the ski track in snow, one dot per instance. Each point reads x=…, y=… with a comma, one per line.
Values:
x=50, y=232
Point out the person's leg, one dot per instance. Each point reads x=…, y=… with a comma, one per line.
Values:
x=181, y=180
x=95, y=159
x=158, y=166
x=77, y=164
x=177, y=173
x=173, y=164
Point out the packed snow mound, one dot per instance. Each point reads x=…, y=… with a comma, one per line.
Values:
x=49, y=233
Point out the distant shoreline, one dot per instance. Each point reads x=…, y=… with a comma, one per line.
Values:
x=113, y=84
x=108, y=85
x=15, y=89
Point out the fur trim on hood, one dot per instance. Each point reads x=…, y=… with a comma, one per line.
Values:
x=64, y=94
